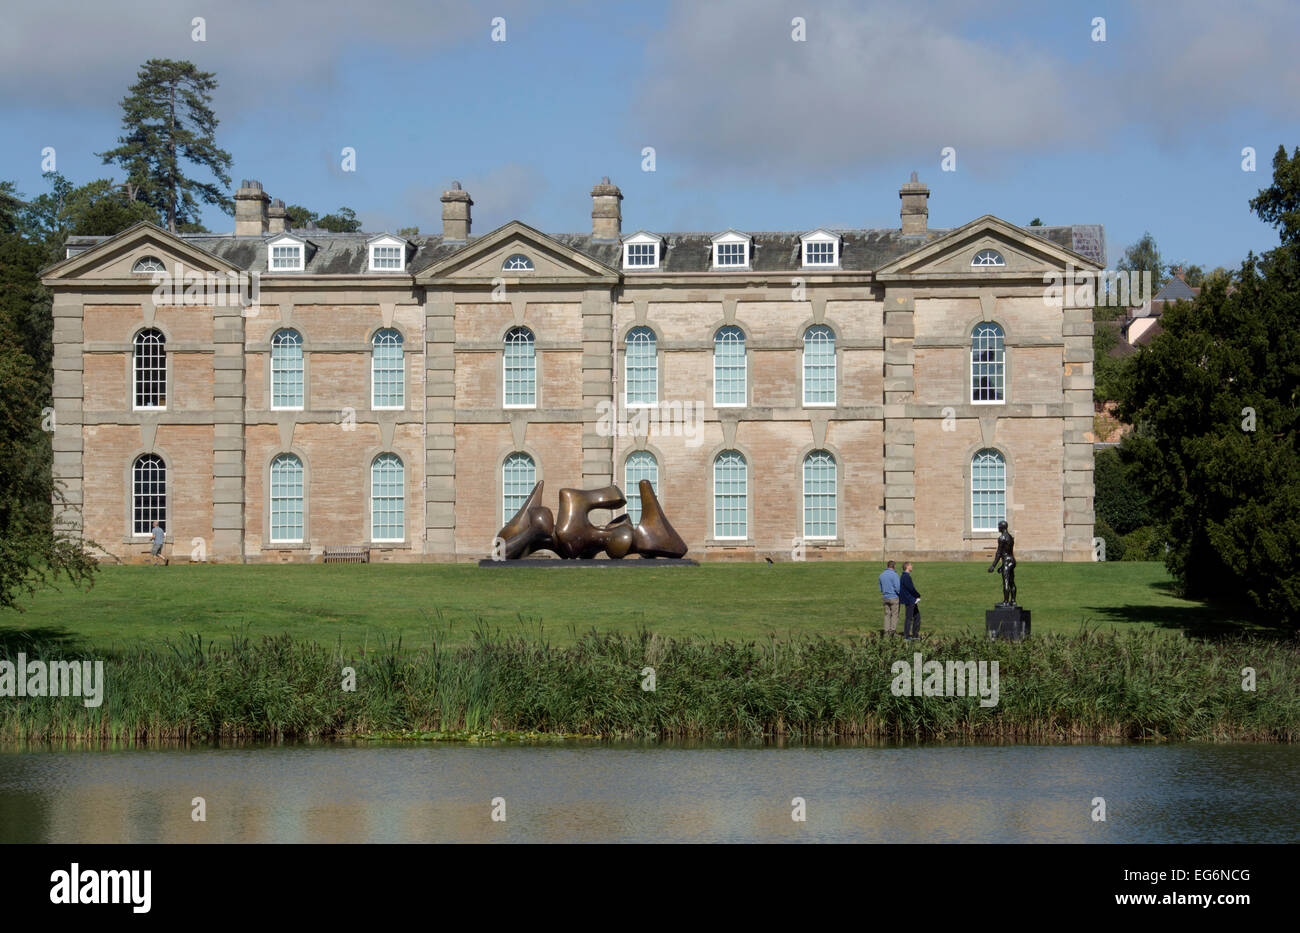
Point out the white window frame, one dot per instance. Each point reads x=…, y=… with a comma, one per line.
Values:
x=374, y=346
x=505, y=382
x=161, y=344
x=1002, y=366
x=510, y=458
x=819, y=237
x=505, y=266
x=744, y=367
x=632, y=491
x=136, y=270
x=639, y=240
x=387, y=242
x=835, y=369
x=401, y=464
x=271, y=500
x=714, y=469
x=627, y=364
x=835, y=493
x=302, y=349
x=286, y=242
x=732, y=238
x=988, y=252
x=1001, y=458
x=158, y=476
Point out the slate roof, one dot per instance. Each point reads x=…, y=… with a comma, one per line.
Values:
x=861, y=250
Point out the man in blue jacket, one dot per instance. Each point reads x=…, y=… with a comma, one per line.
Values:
x=889, y=588
x=911, y=600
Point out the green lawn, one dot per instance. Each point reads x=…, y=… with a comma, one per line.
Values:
x=365, y=604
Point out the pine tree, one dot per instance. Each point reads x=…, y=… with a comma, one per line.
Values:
x=167, y=120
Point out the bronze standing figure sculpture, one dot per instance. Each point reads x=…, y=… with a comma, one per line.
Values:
x=1007, y=555
x=573, y=536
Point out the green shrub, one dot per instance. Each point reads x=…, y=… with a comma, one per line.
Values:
x=1145, y=543
x=1114, y=543
x=1118, y=500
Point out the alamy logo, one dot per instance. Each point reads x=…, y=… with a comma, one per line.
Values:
x=53, y=679
x=87, y=886
x=665, y=419
x=194, y=287
x=953, y=679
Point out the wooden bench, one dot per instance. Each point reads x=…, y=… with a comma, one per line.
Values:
x=346, y=554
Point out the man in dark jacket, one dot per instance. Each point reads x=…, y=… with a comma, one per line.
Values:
x=911, y=600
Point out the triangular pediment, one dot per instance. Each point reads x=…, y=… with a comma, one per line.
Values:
x=487, y=258
x=955, y=253
x=115, y=259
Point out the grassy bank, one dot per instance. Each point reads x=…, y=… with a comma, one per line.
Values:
x=1090, y=685
x=360, y=606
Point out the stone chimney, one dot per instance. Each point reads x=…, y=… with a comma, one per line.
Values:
x=277, y=217
x=915, y=213
x=606, y=213
x=250, y=209
x=455, y=214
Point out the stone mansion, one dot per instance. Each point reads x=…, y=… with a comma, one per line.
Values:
x=821, y=394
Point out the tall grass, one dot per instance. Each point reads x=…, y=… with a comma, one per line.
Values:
x=1090, y=686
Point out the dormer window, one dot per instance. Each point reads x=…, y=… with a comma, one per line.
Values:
x=641, y=251
x=820, y=249
x=731, y=251
x=285, y=254
x=387, y=254
x=148, y=265
x=518, y=263
x=988, y=257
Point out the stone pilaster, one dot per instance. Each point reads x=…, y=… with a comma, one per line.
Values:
x=68, y=397
x=440, y=427
x=1077, y=476
x=228, y=449
x=900, y=458
x=598, y=467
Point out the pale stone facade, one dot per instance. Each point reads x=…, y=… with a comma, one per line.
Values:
x=891, y=421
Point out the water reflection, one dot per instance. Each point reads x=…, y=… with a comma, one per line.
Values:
x=571, y=793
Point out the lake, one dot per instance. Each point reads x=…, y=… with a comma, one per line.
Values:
x=401, y=792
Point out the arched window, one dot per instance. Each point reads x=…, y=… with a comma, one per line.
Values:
x=988, y=490
x=730, y=495
x=729, y=368
x=148, y=265
x=988, y=257
x=518, y=263
x=286, y=500
x=819, y=495
x=819, y=365
x=387, y=370
x=638, y=466
x=150, y=369
x=518, y=477
x=387, y=498
x=987, y=364
x=286, y=369
x=519, y=375
x=641, y=367
x=148, y=494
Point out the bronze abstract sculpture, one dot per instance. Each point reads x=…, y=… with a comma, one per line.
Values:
x=573, y=536
x=1006, y=554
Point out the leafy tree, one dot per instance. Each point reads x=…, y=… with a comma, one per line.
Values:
x=10, y=207
x=1120, y=503
x=344, y=220
x=1193, y=274
x=1216, y=403
x=31, y=554
x=1144, y=256
x=167, y=120
x=1279, y=203
x=97, y=207
x=408, y=232
x=1036, y=222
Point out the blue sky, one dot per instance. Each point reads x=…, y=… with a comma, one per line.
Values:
x=751, y=129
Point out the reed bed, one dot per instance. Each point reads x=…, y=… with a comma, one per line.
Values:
x=1091, y=686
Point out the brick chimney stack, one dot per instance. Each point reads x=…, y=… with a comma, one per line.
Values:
x=250, y=209
x=606, y=212
x=914, y=213
x=277, y=217
x=455, y=214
